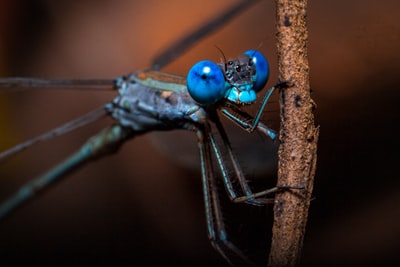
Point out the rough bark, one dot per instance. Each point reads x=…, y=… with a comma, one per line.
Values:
x=298, y=135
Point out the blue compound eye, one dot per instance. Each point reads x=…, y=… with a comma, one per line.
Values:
x=262, y=68
x=206, y=82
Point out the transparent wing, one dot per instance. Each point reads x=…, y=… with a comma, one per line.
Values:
x=20, y=84
x=63, y=129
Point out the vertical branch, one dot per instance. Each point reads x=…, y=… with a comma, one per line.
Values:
x=298, y=135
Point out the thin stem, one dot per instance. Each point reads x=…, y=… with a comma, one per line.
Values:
x=298, y=135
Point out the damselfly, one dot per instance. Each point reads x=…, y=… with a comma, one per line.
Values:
x=153, y=100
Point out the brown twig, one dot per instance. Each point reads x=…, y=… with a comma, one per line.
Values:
x=298, y=135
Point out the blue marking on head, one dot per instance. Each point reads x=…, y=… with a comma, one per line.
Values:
x=243, y=78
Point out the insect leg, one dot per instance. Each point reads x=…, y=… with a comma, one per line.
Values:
x=247, y=122
x=249, y=197
x=215, y=225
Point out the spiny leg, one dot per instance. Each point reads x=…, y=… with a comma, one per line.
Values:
x=264, y=103
x=249, y=197
x=222, y=166
x=215, y=225
x=235, y=163
x=106, y=142
x=242, y=119
x=255, y=198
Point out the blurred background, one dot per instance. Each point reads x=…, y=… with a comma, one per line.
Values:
x=144, y=206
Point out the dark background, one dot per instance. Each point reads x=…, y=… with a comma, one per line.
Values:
x=142, y=206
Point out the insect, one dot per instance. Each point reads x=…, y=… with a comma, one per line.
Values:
x=196, y=117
